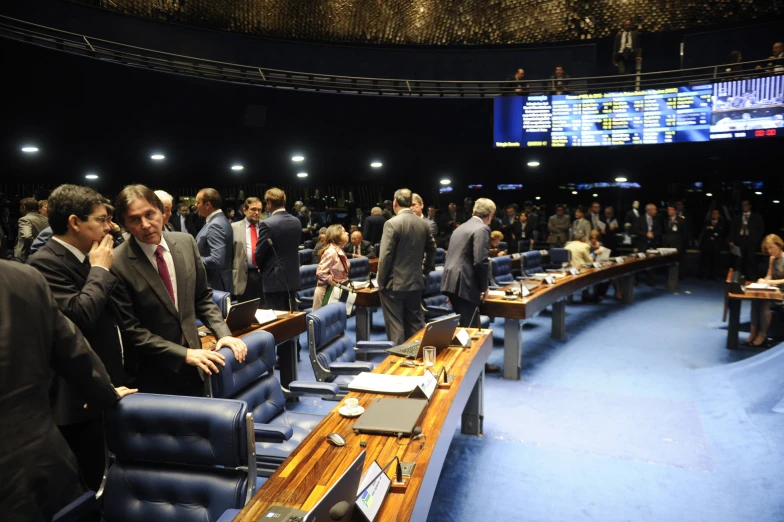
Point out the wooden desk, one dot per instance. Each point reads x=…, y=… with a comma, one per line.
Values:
x=288, y=326
x=514, y=312
x=315, y=465
x=373, y=263
x=367, y=299
x=734, y=304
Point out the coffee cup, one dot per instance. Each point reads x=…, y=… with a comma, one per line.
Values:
x=351, y=405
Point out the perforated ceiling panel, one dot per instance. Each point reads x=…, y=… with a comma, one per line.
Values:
x=443, y=22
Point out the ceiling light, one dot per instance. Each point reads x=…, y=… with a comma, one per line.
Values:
x=758, y=193
x=376, y=164
x=776, y=201
x=445, y=182
x=574, y=192
x=302, y=175
x=29, y=149
x=157, y=157
x=595, y=195
x=91, y=176
x=538, y=198
x=620, y=180
x=237, y=167
x=533, y=163
x=709, y=194
x=298, y=158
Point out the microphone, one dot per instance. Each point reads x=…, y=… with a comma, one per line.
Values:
x=471, y=322
x=279, y=269
x=342, y=508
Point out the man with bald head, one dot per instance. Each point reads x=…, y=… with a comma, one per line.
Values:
x=374, y=226
x=215, y=240
x=358, y=247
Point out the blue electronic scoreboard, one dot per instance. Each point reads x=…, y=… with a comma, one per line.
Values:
x=735, y=109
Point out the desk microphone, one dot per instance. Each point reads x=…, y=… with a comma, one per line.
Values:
x=279, y=269
x=342, y=508
x=471, y=322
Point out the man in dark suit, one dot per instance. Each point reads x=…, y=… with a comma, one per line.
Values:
x=196, y=222
x=167, y=289
x=627, y=52
x=467, y=265
x=309, y=222
x=507, y=227
x=358, y=247
x=215, y=240
x=374, y=226
x=38, y=473
x=713, y=240
x=559, y=82
x=359, y=219
x=449, y=221
x=746, y=233
x=633, y=214
x=674, y=234
x=180, y=222
x=648, y=231
x=404, y=244
x=245, y=270
x=76, y=263
x=388, y=211
x=168, y=202
x=30, y=225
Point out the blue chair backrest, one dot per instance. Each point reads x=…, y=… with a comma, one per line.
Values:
x=252, y=381
x=358, y=269
x=433, y=283
x=532, y=262
x=502, y=270
x=306, y=256
x=176, y=458
x=503, y=246
x=440, y=256
x=327, y=335
x=307, y=282
x=435, y=300
x=560, y=255
x=223, y=300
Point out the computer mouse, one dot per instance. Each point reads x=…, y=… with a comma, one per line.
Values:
x=408, y=364
x=336, y=440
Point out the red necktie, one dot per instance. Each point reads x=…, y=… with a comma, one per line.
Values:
x=163, y=271
x=254, y=238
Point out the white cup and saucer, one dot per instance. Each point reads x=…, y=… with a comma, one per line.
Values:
x=351, y=408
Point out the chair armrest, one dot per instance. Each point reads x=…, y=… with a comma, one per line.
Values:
x=325, y=390
x=272, y=432
x=350, y=368
x=443, y=310
x=76, y=510
x=307, y=301
x=374, y=345
x=229, y=515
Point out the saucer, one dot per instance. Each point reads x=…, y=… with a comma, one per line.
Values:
x=347, y=413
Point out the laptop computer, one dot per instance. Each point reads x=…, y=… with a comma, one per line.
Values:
x=390, y=416
x=344, y=490
x=242, y=315
x=438, y=333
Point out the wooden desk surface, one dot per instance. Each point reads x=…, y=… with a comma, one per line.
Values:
x=545, y=295
x=315, y=465
x=286, y=327
x=760, y=295
x=367, y=298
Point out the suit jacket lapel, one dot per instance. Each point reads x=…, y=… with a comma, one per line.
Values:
x=143, y=266
x=69, y=259
x=179, y=268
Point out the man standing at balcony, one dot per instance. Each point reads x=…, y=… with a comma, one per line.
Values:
x=627, y=53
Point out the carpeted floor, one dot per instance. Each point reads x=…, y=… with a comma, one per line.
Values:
x=641, y=414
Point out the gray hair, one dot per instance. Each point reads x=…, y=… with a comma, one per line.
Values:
x=483, y=207
x=375, y=211
x=403, y=197
x=649, y=206
x=416, y=198
x=165, y=197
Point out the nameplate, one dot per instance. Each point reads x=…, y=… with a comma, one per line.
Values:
x=515, y=256
x=374, y=283
x=524, y=291
x=463, y=338
x=574, y=271
x=550, y=280
x=597, y=265
x=641, y=255
x=619, y=260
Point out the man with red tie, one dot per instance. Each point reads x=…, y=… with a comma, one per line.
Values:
x=244, y=268
x=167, y=287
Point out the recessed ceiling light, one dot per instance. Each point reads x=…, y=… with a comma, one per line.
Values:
x=29, y=149
x=538, y=198
x=376, y=164
x=237, y=167
x=157, y=157
x=776, y=201
x=445, y=181
x=298, y=158
x=91, y=176
x=758, y=193
x=595, y=195
x=533, y=163
x=574, y=192
x=302, y=175
x=620, y=180
x=709, y=194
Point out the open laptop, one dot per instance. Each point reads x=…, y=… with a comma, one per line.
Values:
x=344, y=490
x=438, y=333
x=242, y=315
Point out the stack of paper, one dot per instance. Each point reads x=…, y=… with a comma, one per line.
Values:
x=761, y=286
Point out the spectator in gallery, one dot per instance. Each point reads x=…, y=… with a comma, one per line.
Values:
x=520, y=88
x=559, y=82
x=627, y=53
x=732, y=62
x=558, y=227
x=776, y=59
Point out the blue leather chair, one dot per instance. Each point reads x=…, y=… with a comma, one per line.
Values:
x=306, y=256
x=440, y=257
x=359, y=269
x=307, y=282
x=503, y=246
x=532, y=263
x=173, y=458
x=501, y=270
x=559, y=256
x=332, y=353
x=223, y=300
x=436, y=303
x=278, y=431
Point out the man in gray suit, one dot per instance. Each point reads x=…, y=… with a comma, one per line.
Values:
x=167, y=288
x=405, y=242
x=30, y=225
x=467, y=265
x=215, y=240
x=245, y=270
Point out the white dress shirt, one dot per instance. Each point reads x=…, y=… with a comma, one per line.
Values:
x=209, y=218
x=149, y=251
x=626, y=41
x=183, y=228
x=248, y=250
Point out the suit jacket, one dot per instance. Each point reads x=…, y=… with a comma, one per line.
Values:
x=466, y=269
x=36, y=340
x=674, y=234
x=581, y=228
x=756, y=228
x=239, y=263
x=150, y=317
x=87, y=297
x=195, y=223
x=365, y=249
x=374, y=228
x=581, y=253
x=631, y=217
x=281, y=273
x=558, y=230
x=717, y=234
x=636, y=49
x=215, y=242
x=447, y=223
x=641, y=242
x=30, y=225
x=406, y=240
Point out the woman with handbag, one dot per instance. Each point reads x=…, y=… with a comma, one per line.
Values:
x=333, y=265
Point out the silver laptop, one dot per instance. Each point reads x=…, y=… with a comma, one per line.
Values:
x=438, y=333
x=242, y=315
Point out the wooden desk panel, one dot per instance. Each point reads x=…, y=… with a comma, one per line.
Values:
x=373, y=262
x=733, y=305
x=315, y=465
x=286, y=327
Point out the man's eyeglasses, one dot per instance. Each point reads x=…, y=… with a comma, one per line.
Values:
x=100, y=219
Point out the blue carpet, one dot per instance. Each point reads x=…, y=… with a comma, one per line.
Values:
x=640, y=414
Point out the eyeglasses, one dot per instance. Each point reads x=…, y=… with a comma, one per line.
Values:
x=100, y=219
